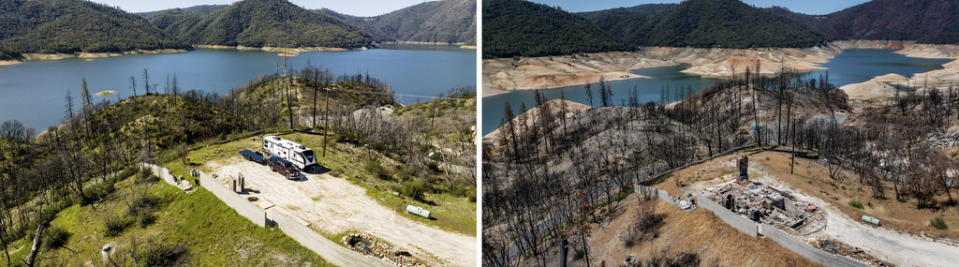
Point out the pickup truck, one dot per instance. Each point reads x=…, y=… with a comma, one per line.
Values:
x=284, y=167
x=253, y=156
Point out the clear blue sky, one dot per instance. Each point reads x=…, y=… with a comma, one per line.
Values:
x=813, y=7
x=350, y=7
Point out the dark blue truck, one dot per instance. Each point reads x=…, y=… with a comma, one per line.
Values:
x=253, y=156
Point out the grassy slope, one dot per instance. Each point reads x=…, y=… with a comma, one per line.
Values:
x=212, y=232
x=455, y=214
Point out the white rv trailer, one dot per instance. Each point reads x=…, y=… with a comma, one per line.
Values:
x=301, y=156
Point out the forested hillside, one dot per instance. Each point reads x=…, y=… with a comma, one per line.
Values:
x=69, y=26
x=707, y=23
x=452, y=21
x=925, y=21
x=260, y=23
x=521, y=28
x=8, y=55
x=164, y=18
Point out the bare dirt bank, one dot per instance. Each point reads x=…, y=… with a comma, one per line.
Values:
x=504, y=74
x=882, y=87
x=722, y=63
x=59, y=56
x=9, y=62
x=281, y=51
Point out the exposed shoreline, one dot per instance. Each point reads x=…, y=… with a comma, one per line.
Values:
x=883, y=87
x=281, y=51
x=460, y=44
x=503, y=75
x=89, y=55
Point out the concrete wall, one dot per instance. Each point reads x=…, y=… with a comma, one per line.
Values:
x=660, y=194
x=733, y=219
x=809, y=252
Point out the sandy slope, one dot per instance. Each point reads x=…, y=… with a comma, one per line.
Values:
x=878, y=87
x=335, y=205
x=503, y=74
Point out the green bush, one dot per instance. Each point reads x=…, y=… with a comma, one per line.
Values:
x=55, y=237
x=115, y=226
x=162, y=254
x=415, y=190
x=856, y=204
x=938, y=223
x=376, y=169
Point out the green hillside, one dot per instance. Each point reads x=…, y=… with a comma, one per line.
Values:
x=711, y=23
x=926, y=21
x=69, y=26
x=520, y=28
x=452, y=21
x=260, y=23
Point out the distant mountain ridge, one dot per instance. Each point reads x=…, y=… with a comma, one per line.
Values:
x=925, y=21
x=520, y=28
x=711, y=24
x=261, y=23
x=71, y=26
x=452, y=21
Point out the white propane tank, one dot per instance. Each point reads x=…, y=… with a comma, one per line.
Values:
x=418, y=211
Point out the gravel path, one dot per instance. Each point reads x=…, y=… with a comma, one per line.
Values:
x=335, y=205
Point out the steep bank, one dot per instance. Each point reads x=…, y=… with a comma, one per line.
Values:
x=503, y=74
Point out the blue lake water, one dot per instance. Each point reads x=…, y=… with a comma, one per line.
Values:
x=33, y=92
x=852, y=66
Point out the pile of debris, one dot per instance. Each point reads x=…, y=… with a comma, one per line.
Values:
x=842, y=249
x=369, y=245
x=768, y=205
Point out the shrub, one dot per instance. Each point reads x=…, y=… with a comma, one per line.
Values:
x=377, y=170
x=415, y=190
x=938, y=223
x=856, y=204
x=162, y=254
x=55, y=237
x=115, y=226
x=646, y=224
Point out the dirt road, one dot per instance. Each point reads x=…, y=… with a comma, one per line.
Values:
x=335, y=205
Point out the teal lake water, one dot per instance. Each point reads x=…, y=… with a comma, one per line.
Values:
x=33, y=92
x=852, y=66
